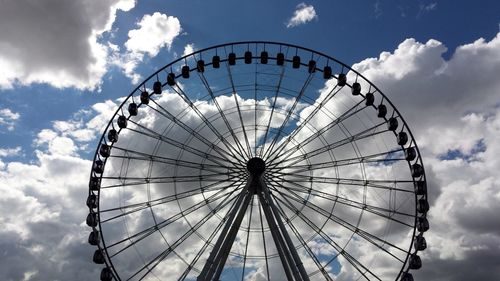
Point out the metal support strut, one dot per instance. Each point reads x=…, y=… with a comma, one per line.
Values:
x=292, y=265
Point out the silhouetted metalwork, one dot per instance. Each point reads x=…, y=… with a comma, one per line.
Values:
x=257, y=159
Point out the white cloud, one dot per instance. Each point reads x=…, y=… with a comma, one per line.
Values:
x=188, y=49
x=455, y=117
x=72, y=136
x=429, y=7
x=62, y=146
x=8, y=118
x=43, y=234
x=426, y=8
x=7, y=152
x=55, y=42
x=154, y=32
x=45, y=136
x=302, y=15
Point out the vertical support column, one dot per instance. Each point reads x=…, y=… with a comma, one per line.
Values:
x=290, y=253
x=283, y=253
x=217, y=259
x=292, y=265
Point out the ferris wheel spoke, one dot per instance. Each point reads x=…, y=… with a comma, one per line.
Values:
x=217, y=258
x=367, y=133
x=203, y=248
x=175, y=162
x=221, y=112
x=192, y=105
x=344, y=116
x=141, y=235
x=366, y=159
x=376, y=210
x=168, y=179
x=218, y=195
x=230, y=76
x=255, y=113
x=129, y=154
x=145, y=181
x=372, y=239
x=239, y=150
x=159, y=258
x=362, y=269
x=373, y=183
x=303, y=243
x=289, y=114
x=273, y=107
x=303, y=123
x=182, y=146
x=355, y=229
x=227, y=155
x=166, y=199
x=376, y=184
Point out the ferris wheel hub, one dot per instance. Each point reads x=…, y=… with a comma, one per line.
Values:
x=256, y=166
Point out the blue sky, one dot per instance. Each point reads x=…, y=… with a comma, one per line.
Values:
x=63, y=66
x=350, y=31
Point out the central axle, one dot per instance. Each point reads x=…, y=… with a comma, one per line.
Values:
x=256, y=167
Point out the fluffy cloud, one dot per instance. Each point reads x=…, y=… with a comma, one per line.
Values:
x=7, y=152
x=452, y=108
x=55, y=42
x=8, y=118
x=188, y=49
x=71, y=137
x=302, y=15
x=415, y=73
x=43, y=234
x=154, y=32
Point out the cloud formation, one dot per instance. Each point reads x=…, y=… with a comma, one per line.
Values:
x=55, y=42
x=8, y=118
x=422, y=8
x=154, y=32
x=451, y=106
x=71, y=51
x=303, y=14
x=454, y=116
x=188, y=49
x=7, y=152
x=43, y=234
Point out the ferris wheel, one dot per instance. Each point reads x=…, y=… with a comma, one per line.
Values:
x=257, y=161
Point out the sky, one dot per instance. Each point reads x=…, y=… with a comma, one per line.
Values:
x=65, y=65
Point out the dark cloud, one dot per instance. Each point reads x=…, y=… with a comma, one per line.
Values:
x=480, y=264
x=55, y=42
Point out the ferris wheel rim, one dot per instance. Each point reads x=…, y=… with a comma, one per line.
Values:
x=108, y=261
